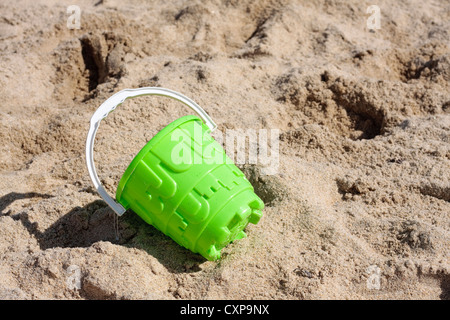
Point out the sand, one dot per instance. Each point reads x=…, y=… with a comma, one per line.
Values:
x=358, y=209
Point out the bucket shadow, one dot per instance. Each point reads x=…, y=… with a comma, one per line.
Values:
x=136, y=233
x=83, y=226
x=80, y=227
x=11, y=197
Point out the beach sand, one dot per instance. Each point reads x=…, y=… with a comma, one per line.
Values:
x=358, y=208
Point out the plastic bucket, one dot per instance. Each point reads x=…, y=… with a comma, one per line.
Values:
x=182, y=182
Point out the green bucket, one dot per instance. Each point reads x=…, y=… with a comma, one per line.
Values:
x=182, y=182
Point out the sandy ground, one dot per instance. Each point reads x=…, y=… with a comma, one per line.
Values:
x=362, y=191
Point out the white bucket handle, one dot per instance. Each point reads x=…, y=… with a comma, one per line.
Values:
x=109, y=105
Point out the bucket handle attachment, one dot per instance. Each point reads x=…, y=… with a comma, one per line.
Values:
x=109, y=105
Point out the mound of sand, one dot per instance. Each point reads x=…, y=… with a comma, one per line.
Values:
x=362, y=191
